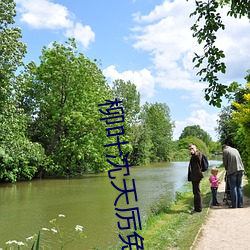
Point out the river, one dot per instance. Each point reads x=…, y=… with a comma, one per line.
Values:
x=27, y=207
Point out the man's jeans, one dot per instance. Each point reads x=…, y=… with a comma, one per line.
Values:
x=235, y=182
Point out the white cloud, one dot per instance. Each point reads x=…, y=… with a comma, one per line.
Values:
x=83, y=34
x=234, y=41
x=143, y=80
x=198, y=117
x=44, y=14
x=159, y=12
x=165, y=33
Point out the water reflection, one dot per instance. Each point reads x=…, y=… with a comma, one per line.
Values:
x=26, y=207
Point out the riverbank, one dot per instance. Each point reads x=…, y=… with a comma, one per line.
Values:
x=172, y=226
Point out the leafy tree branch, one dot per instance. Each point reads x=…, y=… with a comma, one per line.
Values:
x=210, y=63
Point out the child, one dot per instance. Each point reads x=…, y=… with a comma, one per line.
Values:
x=214, y=185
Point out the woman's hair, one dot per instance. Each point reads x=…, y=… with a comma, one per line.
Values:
x=214, y=170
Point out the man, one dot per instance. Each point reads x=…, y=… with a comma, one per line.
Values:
x=195, y=175
x=235, y=169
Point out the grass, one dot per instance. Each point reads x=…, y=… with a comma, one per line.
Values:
x=176, y=228
x=246, y=188
x=170, y=226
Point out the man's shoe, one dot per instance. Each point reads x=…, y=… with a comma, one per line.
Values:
x=231, y=206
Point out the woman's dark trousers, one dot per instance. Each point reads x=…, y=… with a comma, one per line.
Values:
x=197, y=196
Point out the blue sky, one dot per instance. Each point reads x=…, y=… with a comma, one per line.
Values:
x=148, y=42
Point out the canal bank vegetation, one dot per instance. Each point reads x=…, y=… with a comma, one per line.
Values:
x=171, y=226
x=50, y=120
x=174, y=227
x=54, y=236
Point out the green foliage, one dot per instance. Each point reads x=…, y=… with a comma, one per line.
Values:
x=205, y=28
x=20, y=157
x=64, y=93
x=201, y=146
x=241, y=116
x=196, y=131
x=180, y=155
x=210, y=20
x=142, y=145
x=158, y=129
x=170, y=226
x=227, y=127
x=233, y=123
x=237, y=8
x=130, y=97
x=12, y=50
x=36, y=243
x=230, y=130
x=215, y=147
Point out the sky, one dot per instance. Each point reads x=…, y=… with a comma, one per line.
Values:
x=147, y=42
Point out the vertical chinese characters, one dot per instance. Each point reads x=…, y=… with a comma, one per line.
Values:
x=114, y=116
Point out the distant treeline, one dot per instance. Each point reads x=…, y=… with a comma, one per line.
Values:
x=50, y=120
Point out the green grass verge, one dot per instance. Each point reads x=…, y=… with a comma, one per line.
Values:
x=246, y=188
x=176, y=228
x=170, y=226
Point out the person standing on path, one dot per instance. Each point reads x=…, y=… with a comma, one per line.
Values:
x=235, y=169
x=214, y=181
x=195, y=175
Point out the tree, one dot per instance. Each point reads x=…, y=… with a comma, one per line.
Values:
x=156, y=121
x=241, y=116
x=12, y=51
x=142, y=145
x=20, y=158
x=64, y=93
x=227, y=127
x=215, y=148
x=196, y=131
x=233, y=123
x=230, y=130
x=208, y=23
x=130, y=97
x=184, y=142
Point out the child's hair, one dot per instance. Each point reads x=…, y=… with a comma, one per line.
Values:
x=214, y=170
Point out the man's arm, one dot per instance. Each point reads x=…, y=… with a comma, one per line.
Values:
x=224, y=159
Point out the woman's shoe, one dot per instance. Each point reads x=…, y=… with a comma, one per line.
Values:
x=194, y=212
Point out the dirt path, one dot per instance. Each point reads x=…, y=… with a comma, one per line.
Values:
x=225, y=228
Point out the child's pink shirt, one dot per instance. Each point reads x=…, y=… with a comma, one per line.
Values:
x=214, y=181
